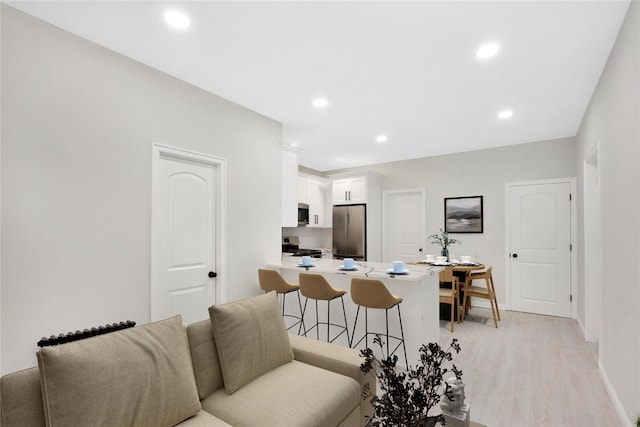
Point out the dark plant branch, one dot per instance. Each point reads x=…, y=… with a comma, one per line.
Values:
x=407, y=396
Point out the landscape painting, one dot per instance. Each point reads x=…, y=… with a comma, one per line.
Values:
x=463, y=214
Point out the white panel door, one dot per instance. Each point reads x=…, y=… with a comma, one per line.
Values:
x=403, y=225
x=184, y=205
x=539, y=250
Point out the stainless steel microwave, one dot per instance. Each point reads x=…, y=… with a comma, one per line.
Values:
x=303, y=214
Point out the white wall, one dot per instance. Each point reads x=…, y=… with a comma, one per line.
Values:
x=79, y=122
x=479, y=173
x=613, y=118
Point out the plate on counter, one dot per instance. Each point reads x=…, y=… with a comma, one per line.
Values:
x=469, y=264
x=441, y=264
x=343, y=268
x=392, y=271
x=306, y=265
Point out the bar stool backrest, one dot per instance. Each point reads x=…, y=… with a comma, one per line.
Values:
x=372, y=293
x=271, y=280
x=315, y=286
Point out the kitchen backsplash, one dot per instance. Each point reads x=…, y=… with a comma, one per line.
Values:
x=310, y=238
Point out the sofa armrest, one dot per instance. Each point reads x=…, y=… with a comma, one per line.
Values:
x=336, y=358
x=21, y=400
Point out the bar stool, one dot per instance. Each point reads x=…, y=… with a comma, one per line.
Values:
x=271, y=280
x=370, y=293
x=316, y=287
x=487, y=292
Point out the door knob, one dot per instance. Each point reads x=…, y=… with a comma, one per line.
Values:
x=515, y=255
x=212, y=274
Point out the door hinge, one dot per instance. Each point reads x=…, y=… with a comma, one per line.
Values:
x=570, y=298
x=570, y=247
x=570, y=197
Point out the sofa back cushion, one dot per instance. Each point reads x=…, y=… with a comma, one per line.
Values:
x=204, y=356
x=137, y=376
x=21, y=400
x=251, y=338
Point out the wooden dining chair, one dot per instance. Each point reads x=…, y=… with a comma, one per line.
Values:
x=486, y=292
x=451, y=296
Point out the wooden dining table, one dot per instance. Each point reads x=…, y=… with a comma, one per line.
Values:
x=464, y=275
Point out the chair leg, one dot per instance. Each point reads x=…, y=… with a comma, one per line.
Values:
x=304, y=310
x=452, y=316
x=493, y=310
x=328, y=320
x=386, y=316
x=302, y=326
x=404, y=347
x=353, y=334
x=317, y=328
x=346, y=327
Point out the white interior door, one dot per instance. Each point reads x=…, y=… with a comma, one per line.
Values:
x=403, y=225
x=184, y=206
x=539, y=248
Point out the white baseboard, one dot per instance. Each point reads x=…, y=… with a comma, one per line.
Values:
x=624, y=420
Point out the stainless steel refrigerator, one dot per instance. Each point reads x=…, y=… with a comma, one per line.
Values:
x=350, y=232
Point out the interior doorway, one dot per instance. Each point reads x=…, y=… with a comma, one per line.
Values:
x=539, y=242
x=403, y=223
x=186, y=233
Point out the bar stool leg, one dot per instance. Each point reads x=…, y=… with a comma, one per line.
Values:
x=404, y=348
x=386, y=316
x=302, y=326
x=346, y=328
x=353, y=334
x=317, y=328
x=328, y=320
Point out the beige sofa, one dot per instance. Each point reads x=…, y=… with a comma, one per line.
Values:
x=239, y=368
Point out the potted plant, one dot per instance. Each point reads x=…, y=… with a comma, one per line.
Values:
x=443, y=240
x=407, y=396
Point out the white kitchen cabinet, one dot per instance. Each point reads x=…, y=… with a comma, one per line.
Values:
x=315, y=191
x=348, y=191
x=354, y=188
x=289, y=176
x=302, y=190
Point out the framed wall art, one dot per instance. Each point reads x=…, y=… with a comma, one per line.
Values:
x=463, y=214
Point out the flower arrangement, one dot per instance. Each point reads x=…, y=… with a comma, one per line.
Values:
x=408, y=396
x=443, y=240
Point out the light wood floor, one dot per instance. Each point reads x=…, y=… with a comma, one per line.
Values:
x=533, y=371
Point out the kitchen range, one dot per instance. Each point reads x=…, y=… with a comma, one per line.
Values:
x=291, y=245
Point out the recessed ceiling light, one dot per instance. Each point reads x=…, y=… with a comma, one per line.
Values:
x=381, y=138
x=320, y=102
x=177, y=19
x=487, y=50
x=505, y=114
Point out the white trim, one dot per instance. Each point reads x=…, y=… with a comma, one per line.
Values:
x=587, y=240
x=615, y=400
x=385, y=194
x=220, y=214
x=573, y=237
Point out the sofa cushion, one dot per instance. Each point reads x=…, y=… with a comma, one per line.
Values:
x=294, y=394
x=137, y=376
x=251, y=338
x=204, y=356
x=203, y=419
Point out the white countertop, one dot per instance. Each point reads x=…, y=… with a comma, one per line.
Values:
x=373, y=270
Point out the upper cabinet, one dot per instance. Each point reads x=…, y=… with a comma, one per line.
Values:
x=347, y=191
x=314, y=192
x=289, y=177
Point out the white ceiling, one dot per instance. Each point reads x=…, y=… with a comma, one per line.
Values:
x=404, y=69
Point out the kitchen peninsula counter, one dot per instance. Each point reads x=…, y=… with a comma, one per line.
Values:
x=418, y=288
